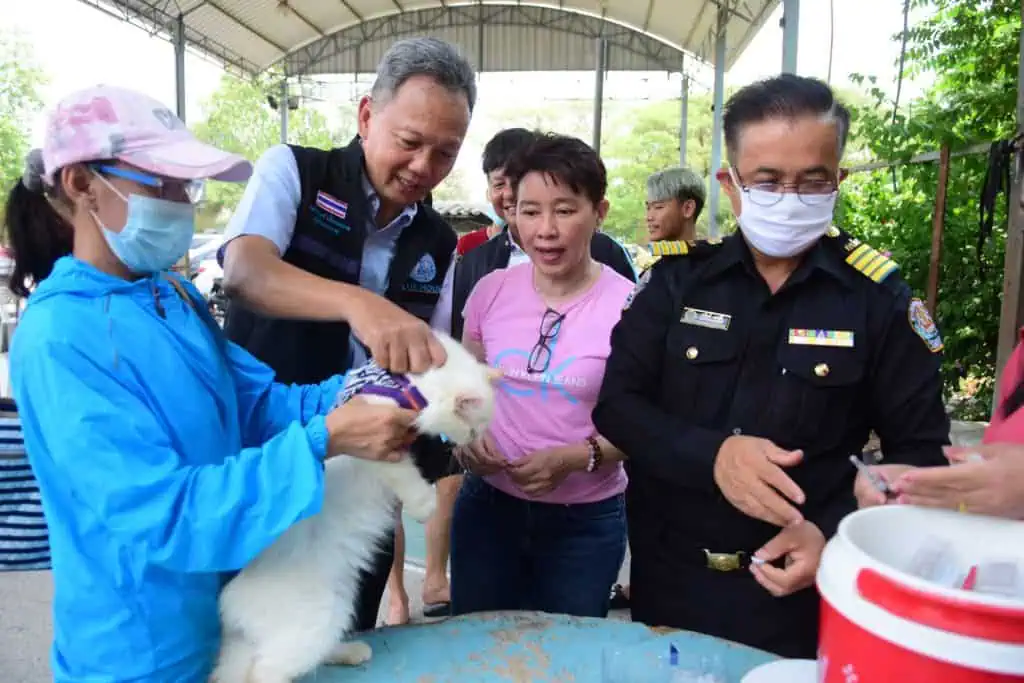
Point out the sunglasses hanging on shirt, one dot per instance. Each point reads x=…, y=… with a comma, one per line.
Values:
x=540, y=356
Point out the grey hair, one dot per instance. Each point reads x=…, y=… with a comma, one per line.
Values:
x=32, y=177
x=424, y=56
x=676, y=183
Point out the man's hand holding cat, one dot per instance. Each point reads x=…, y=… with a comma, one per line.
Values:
x=398, y=341
x=372, y=431
x=543, y=471
x=481, y=457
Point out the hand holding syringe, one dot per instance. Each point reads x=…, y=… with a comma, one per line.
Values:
x=876, y=480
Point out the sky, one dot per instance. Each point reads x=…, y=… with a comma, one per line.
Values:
x=85, y=46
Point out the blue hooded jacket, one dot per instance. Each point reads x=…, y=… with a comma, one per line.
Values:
x=165, y=455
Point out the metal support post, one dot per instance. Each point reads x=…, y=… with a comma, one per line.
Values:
x=179, y=65
x=599, y=73
x=716, y=120
x=790, y=34
x=282, y=109
x=684, y=107
x=1011, y=317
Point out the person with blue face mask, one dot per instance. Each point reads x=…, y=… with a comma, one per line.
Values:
x=166, y=456
x=744, y=373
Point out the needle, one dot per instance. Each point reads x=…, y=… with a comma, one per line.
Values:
x=876, y=481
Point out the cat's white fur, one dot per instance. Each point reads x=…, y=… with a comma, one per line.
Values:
x=287, y=611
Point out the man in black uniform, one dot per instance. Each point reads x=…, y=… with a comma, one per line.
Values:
x=743, y=375
x=333, y=255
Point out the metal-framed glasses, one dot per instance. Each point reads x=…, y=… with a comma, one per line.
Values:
x=810, y=192
x=540, y=356
x=173, y=190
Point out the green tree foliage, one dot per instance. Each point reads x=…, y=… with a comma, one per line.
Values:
x=239, y=119
x=973, y=50
x=454, y=188
x=643, y=140
x=21, y=80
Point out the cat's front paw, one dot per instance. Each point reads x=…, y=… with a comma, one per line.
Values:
x=351, y=653
x=422, y=506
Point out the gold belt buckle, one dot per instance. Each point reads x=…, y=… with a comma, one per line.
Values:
x=724, y=562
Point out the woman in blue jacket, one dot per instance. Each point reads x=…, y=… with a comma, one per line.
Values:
x=165, y=455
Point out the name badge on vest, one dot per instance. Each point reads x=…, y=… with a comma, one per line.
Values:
x=834, y=338
x=708, y=319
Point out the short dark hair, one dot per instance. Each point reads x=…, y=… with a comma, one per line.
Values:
x=499, y=148
x=786, y=96
x=566, y=159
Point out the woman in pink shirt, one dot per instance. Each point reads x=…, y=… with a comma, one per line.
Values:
x=991, y=485
x=540, y=521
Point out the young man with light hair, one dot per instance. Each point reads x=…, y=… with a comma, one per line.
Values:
x=675, y=198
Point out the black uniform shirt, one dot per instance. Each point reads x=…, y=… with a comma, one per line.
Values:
x=705, y=350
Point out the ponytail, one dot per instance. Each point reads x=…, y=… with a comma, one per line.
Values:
x=37, y=235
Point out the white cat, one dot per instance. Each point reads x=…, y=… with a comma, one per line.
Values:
x=287, y=611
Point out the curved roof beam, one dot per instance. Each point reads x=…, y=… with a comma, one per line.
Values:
x=493, y=36
x=249, y=36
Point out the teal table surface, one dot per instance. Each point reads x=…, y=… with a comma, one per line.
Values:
x=528, y=647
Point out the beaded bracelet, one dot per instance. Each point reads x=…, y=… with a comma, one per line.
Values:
x=596, y=455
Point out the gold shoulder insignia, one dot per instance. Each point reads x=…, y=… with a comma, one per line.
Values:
x=864, y=258
x=870, y=262
x=673, y=248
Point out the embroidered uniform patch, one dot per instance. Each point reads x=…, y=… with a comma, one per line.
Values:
x=923, y=325
x=841, y=338
x=332, y=205
x=425, y=270
x=641, y=282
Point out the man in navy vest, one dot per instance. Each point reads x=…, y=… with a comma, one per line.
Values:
x=334, y=257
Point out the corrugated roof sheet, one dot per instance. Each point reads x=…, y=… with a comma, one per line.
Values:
x=348, y=36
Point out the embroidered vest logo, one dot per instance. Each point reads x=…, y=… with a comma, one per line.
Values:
x=425, y=270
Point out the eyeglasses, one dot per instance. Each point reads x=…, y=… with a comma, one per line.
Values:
x=810, y=192
x=174, y=190
x=540, y=356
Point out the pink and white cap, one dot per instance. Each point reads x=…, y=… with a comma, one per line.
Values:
x=107, y=122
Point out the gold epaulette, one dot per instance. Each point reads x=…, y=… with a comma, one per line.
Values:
x=864, y=258
x=669, y=248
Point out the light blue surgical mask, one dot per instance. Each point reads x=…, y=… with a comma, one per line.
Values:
x=493, y=215
x=156, y=233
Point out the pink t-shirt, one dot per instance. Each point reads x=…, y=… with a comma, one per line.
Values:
x=543, y=410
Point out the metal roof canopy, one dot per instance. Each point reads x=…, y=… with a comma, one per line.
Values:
x=348, y=36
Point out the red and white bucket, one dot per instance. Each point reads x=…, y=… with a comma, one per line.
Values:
x=880, y=624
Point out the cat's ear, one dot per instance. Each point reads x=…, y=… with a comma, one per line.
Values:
x=464, y=405
x=495, y=375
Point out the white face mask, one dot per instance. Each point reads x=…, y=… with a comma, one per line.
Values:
x=788, y=226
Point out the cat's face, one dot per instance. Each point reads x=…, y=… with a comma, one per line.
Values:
x=460, y=396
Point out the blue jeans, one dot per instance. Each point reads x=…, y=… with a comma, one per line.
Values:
x=513, y=554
